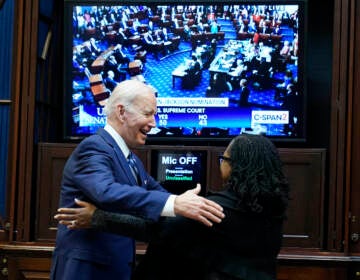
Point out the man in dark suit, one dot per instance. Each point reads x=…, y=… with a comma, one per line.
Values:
x=109, y=80
x=121, y=38
x=194, y=66
x=193, y=73
x=111, y=64
x=244, y=93
x=98, y=171
x=119, y=55
x=291, y=103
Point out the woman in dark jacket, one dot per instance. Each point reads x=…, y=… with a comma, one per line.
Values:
x=244, y=245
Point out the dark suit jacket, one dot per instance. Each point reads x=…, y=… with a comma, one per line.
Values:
x=194, y=68
x=110, y=83
x=244, y=96
x=98, y=172
x=243, y=246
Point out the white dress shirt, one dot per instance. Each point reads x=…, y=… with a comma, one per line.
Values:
x=168, y=209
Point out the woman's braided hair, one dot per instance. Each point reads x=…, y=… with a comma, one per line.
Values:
x=256, y=176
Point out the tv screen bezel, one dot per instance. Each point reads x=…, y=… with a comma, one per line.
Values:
x=187, y=140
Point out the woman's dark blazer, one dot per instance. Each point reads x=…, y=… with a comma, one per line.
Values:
x=242, y=246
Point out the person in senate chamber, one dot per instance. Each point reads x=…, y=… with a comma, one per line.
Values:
x=243, y=246
x=103, y=171
x=244, y=93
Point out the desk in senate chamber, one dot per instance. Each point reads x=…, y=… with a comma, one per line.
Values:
x=222, y=67
x=202, y=54
x=222, y=64
x=229, y=53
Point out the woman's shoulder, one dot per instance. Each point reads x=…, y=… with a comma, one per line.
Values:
x=225, y=198
x=228, y=199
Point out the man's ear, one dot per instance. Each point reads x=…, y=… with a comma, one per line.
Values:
x=121, y=112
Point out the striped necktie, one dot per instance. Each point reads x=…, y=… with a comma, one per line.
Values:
x=133, y=167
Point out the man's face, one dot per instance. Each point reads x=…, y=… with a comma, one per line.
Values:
x=139, y=119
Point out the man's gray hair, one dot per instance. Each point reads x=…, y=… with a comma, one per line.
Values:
x=125, y=93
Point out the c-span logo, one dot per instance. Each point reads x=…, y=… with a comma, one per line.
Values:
x=270, y=117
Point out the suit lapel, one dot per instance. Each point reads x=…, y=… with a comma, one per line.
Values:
x=120, y=156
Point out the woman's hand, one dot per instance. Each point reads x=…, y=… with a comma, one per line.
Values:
x=76, y=218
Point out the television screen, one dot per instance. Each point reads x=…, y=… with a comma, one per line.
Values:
x=181, y=170
x=220, y=69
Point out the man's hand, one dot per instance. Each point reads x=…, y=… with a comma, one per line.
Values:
x=191, y=205
x=76, y=218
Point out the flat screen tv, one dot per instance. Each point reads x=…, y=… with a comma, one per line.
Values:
x=220, y=68
x=179, y=171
